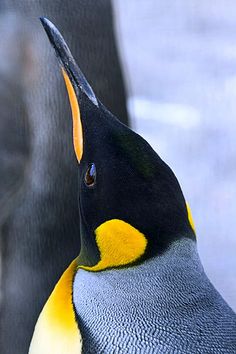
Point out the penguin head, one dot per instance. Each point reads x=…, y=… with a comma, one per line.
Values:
x=130, y=203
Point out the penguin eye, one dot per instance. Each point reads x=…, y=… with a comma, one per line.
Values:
x=90, y=175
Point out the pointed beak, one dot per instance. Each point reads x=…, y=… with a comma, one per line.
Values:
x=75, y=82
x=67, y=61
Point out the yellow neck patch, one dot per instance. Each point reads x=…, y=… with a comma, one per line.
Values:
x=190, y=217
x=119, y=244
x=56, y=330
x=77, y=125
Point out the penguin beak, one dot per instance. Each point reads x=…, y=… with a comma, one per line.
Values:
x=76, y=83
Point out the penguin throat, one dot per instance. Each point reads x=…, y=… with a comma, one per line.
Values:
x=119, y=244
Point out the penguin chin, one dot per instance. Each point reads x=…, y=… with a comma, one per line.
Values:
x=89, y=254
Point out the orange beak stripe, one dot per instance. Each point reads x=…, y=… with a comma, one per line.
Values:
x=77, y=125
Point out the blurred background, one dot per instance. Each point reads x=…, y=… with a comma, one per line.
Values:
x=180, y=65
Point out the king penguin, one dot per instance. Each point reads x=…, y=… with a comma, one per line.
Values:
x=138, y=285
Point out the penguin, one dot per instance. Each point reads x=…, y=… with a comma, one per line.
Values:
x=137, y=285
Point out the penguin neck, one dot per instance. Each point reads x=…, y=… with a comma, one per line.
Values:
x=161, y=302
x=178, y=269
x=179, y=261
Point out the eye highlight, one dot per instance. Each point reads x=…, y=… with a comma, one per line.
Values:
x=90, y=175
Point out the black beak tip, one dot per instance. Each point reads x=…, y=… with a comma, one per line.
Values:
x=66, y=59
x=57, y=41
x=47, y=25
x=52, y=32
x=43, y=20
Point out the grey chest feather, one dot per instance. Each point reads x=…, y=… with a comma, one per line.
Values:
x=165, y=305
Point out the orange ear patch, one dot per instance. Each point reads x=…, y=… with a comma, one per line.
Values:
x=77, y=125
x=190, y=217
x=119, y=244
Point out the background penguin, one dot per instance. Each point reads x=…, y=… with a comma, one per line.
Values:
x=40, y=227
x=138, y=285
